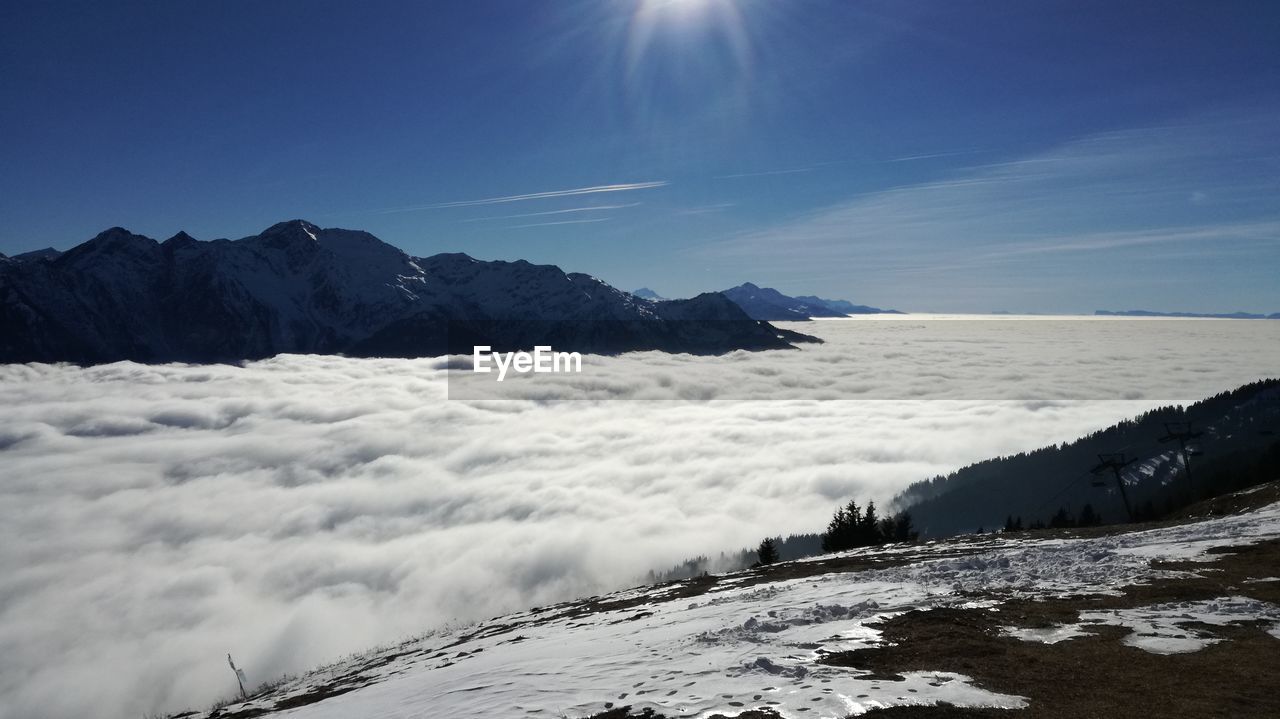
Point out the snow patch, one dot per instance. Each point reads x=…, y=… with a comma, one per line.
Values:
x=1046, y=635
x=1160, y=628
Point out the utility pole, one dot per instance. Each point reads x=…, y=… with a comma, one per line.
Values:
x=1182, y=433
x=1115, y=463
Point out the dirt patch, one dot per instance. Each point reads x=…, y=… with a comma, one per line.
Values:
x=627, y=713
x=1235, y=503
x=1097, y=675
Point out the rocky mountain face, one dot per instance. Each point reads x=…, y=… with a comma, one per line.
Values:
x=298, y=288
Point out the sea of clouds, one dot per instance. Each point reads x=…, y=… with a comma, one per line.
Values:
x=292, y=510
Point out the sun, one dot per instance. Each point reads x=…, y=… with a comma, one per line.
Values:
x=694, y=23
x=675, y=10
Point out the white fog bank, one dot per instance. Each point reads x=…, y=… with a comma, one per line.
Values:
x=154, y=518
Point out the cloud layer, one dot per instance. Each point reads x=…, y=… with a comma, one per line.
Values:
x=154, y=518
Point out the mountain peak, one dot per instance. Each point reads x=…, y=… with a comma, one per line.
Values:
x=111, y=234
x=292, y=227
x=118, y=238
x=47, y=253
x=182, y=238
x=648, y=294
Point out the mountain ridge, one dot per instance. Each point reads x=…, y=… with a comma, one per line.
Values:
x=768, y=304
x=1196, y=315
x=300, y=288
x=1236, y=428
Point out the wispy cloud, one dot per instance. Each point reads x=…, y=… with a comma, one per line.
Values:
x=766, y=173
x=706, y=209
x=575, y=192
x=593, y=208
x=561, y=222
x=931, y=155
x=1074, y=222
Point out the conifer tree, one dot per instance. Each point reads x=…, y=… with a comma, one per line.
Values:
x=768, y=551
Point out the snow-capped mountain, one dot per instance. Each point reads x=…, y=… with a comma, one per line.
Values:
x=299, y=288
x=768, y=304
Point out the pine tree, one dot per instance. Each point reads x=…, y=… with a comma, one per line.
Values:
x=902, y=529
x=1088, y=517
x=768, y=551
x=888, y=529
x=868, y=531
x=1061, y=519
x=833, y=537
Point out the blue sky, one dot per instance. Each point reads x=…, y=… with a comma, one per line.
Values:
x=950, y=156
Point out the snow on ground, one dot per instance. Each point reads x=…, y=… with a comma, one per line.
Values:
x=742, y=645
x=1046, y=635
x=1160, y=628
x=1163, y=628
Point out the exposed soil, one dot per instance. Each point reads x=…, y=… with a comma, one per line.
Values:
x=1091, y=676
x=1096, y=676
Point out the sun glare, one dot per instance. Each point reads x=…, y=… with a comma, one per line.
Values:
x=689, y=26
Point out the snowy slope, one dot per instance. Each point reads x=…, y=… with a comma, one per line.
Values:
x=740, y=641
x=300, y=288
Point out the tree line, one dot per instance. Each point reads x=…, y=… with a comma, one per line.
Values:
x=851, y=527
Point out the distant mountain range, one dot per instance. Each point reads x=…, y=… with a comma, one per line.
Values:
x=768, y=304
x=1225, y=316
x=298, y=288
x=648, y=294
x=1239, y=429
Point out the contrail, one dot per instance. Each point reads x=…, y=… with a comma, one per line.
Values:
x=535, y=196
